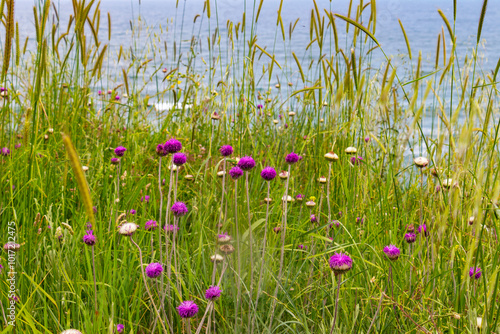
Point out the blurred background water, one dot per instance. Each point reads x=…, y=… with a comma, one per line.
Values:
x=170, y=21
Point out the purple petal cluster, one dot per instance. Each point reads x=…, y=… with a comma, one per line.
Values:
x=235, y=172
x=172, y=146
x=356, y=160
x=213, y=293
x=145, y=199
x=268, y=173
x=115, y=161
x=187, y=309
x=179, y=209
x=89, y=238
x=475, y=272
x=340, y=263
x=410, y=237
x=314, y=219
x=151, y=225
x=154, y=270
x=392, y=252
x=292, y=158
x=160, y=151
x=226, y=150
x=179, y=159
x=423, y=229
x=120, y=151
x=120, y=328
x=5, y=151
x=171, y=228
x=246, y=163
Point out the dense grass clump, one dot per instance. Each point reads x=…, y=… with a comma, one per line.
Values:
x=148, y=188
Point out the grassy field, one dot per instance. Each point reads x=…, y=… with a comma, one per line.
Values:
x=79, y=217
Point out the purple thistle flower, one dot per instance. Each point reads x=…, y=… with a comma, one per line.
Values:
x=410, y=237
x=179, y=209
x=5, y=151
x=117, y=97
x=226, y=150
x=301, y=246
x=99, y=92
x=286, y=125
x=151, y=225
x=213, y=293
x=392, y=252
x=187, y=309
x=335, y=223
x=475, y=272
x=172, y=146
x=277, y=229
x=133, y=212
x=299, y=197
x=367, y=139
x=94, y=208
x=360, y=220
x=1, y=267
x=115, y=161
x=292, y=158
x=235, y=172
x=313, y=219
x=17, y=145
x=356, y=160
x=145, y=199
x=179, y=159
x=154, y=270
x=340, y=263
x=89, y=238
x=268, y=173
x=423, y=229
x=120, y=151
x=246, y=163
x=171, y=228
x=120, y=328
x=160, y=150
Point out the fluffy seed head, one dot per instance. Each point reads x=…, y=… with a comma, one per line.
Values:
x=330, y=156
x=127, y=229
x=71, y=331
x=221, y=173
x=224, y=238
x=226, y=249
x=187, y=309
x=310, y=204
x=268, y=173
x=322, y=180
x=351, y=150
x=154, y=270
x=283, y=175
x=189, y=177
x=340, y=263
x=421, y=162
x=392, y=252
x=216, y=258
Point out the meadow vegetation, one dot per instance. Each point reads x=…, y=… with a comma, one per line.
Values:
x=128, y=205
